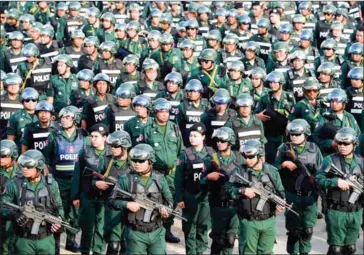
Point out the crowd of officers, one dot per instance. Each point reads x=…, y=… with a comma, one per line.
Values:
x=172, y=99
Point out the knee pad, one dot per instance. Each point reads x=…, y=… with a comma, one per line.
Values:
x=349, y=249
x=114, y=246
x=230, y=240
x=334, y=250
x=306, y=234
x=293, y=236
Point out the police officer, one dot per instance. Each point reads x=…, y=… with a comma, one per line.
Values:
x=279, y=61
x=48, y=48
x=306, y=44
x=74, y=19
x=134, y=43
x=323, y=26
x=143, y=236
x=13, y=54
x=86, y=192
x=78, y=97
x=62, y=85
x=191, y=194
x=36, y=133
x=166, y=139
x=244, y=32
x=115, y=166
x=153, y=38
x=75, y=50
x=214, y=40
x=121, y=111
x=10, y=102
x=131, y=74
x=9, y=170
x=35, y=71
x=334, y=119
x=149, y=85
x=17, y=122
x=92, y=25
x=173, y=93
x=336, y=33
x=273, y=109
x=237, y=84
x=189, y=60
x=298, y=161
x=142, y=105
x=59, y=23
x=251, y=59
x=106, y=31
x=225, y=224
x=344, y=215
x=257, y=231
x=355, y=93
x=61, y=154
x=33, y=188
x=231, y=51
x=257, y=76
x=91, y=59
x=191, y=108
x=93, y=110
x=355, y=59
x=326, y=77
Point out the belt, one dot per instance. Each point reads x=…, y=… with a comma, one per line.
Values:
x=345, y=208
x=228, y=203
x=259, y=217
x=301, y=193
x=27, y=235
x=144, y=229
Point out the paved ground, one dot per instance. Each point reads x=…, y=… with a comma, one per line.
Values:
x=318, y=241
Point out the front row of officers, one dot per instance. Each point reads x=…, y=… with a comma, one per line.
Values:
x=207, y=194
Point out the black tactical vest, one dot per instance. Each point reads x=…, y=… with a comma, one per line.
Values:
x=113, y=69
x=244, y=134
x=7, y=108
x=119, y=116
x=38, y=135
x=147, y=91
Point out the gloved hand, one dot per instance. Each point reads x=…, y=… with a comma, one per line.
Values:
x=21, y=220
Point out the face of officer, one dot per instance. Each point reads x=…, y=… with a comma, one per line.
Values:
x=141, y=166
x=220, y=108
x=359, y=36
x=141, y=111
x=166, y=47
x=222, y=145
x=221, y=19
x=124, y=102
x=305, y=43
x=284, y=36
x=106, y=54
x=44, y=116
x=275, y=86
x=206, y=64
x=91, y=19
x=297, y=139
x=162, y=116
x=97, y=140
x=45, y=39
x=85, y=85
x=298, y=26
x=251, y=160
x=328, y=52
x=43, y=5
x=191, y=31
x=235, y=74
x=298, y=64
x=345, y=148
x=11, y=21
x=130, y=67
x=193, y=95
x=62, y=68
x=337, y=106
x=101, y=87
x=29, y=104
x=16, y=44
x=256, y=82
x=151, y=74
x=230, y=47
x=172, y=87
x=13, y=89
x=257, y=10
x=250, y=54
x=30, y=173
x=74, y=13
x=153, y=44
x=134, y=15
x=61, y=13
x=34, y=34
x=67, y=122
x=131, y=32
x=187, y=52
x=120, y=34
x=106, y=24
x=25, y=24
x=196, y=138
x=358, y=84
x=6, y=161
x=356, y=57
x=90, y=48
x=274, y=18
x=311, y=93
x=77, y=42
x=31, y=59
x=280, y=55
x=324, y=78
x=245, y=111
x=337, y=32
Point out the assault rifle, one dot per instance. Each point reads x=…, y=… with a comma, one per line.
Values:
x=109, y=179
x=264, y=194
x=147, y=204
x=352, y=180
x=38, y=217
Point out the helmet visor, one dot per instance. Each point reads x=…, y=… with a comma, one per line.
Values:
x=27, y=162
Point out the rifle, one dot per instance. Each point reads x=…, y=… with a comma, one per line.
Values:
x=264, y=194
x=109, y=179
x=38, y=217
x=354, y=182
x=147, y=204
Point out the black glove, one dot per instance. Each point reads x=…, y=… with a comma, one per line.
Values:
x=21, y=220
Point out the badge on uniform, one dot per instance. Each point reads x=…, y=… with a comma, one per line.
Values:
x=292, y=111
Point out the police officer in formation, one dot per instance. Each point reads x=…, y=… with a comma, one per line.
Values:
x=182, y=78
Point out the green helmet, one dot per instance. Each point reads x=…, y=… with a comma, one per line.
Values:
x=108, y=46
x=281, y=46
x=193, y=6
x=225, y=134
x=203, y=9
x=12, y=79
x=258, y=72
x=93, y=40
x=194, y=85
x=336, y=24
x=265, y=23
x=221, y=96
x=192, y=23
x=31, y=159
x=231, y=38
x=133, y=25
x=342, y=11
x=16, y=35
x=121, y=27
x=252, y=147
x=150, y=63
x=244, y=100
x=330, y=8
x=85, y=75
x=133, y=7
x=29, y=93
x=71, y=111
x=298, y=127
x=30, y=50
x=181, y=26
x=298, y=18
x=298, y=54
x=305, y=5
x=119, y=138
x=232, y=13
x=187, y=43
x=356, y=48
x=101, y=77
x=339, y=95
x=61, y=6
x=311, y=83
x=36, y=26
x=47, y=30
x=161, y=104
x=74, y=6
x=208, y=54
x=286, y=28
x=154, y=35
x=9, y=148
x=142, y=151
x=44, y=106
x=167, y=38
x=126, y=90
x=13, y=13
x=77, y=34
x=245, y=19
x=253, y=46
x=356, y=73
x=327, y=68
x=131, y=59
x=65, y=59
x=214, y=35
x=142, y=100
x=27, y=17
x=156, y=13
x=108, y=16
x=306, y=35
x=329, y=44
x=220, y=12
x=166, y=18
x=347, y=134
x=236, y=65
x=174, y=77
x=275, y=76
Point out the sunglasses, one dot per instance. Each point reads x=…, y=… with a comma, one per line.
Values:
x=295, y=134
x=205, y=61
x=115, y=146
x=328, y=13
x=326, y=49
x=221, y=141
x=191, y=28
x=5, y=156
x=140, y=161
x=344, y=143
x=28, y=100
x=248, y=156
x=312, y=91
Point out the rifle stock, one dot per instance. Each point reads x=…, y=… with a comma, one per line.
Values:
x=109, y=179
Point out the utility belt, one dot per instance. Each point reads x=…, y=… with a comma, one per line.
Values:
x=258, y=217
x=300, y=192
x=28, y=235
x=146, y=228
x=344, y=207
x=164, y=171
x=223, y=204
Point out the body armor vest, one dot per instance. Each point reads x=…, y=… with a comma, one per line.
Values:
x=193, y=115
x=246, y=133
x=39, y=135
x=113, y=69
x=97, y=111
x=296, y=82
x=74, y=55
x=147, y=91
x=74, y=23
x=355, y=105
x=119, y=116
x=281, y=68
x=40, y=76
x=7, y=108
x=174, y=106
x=13, y=59
x=217, y=121
x=265, y=47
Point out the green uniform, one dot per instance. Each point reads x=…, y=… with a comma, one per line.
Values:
x=143, y=237
x=224, y=220
x=17, y=123
x=324, y=139
x=189, y=67
x=105, y=36
x=135, y=47
x=300, y=192
x=236, y=89
x=257, y=232
x=305, y=110
x=275, y=127
x=258, y=94
x=93, y=111
x=189, y=190
x=134, y=127
x=341, y=67
x=89, y=30
x=61, y=90
x=168, y=60
x=43, y=17
x=343, y=225
x=45, y=243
